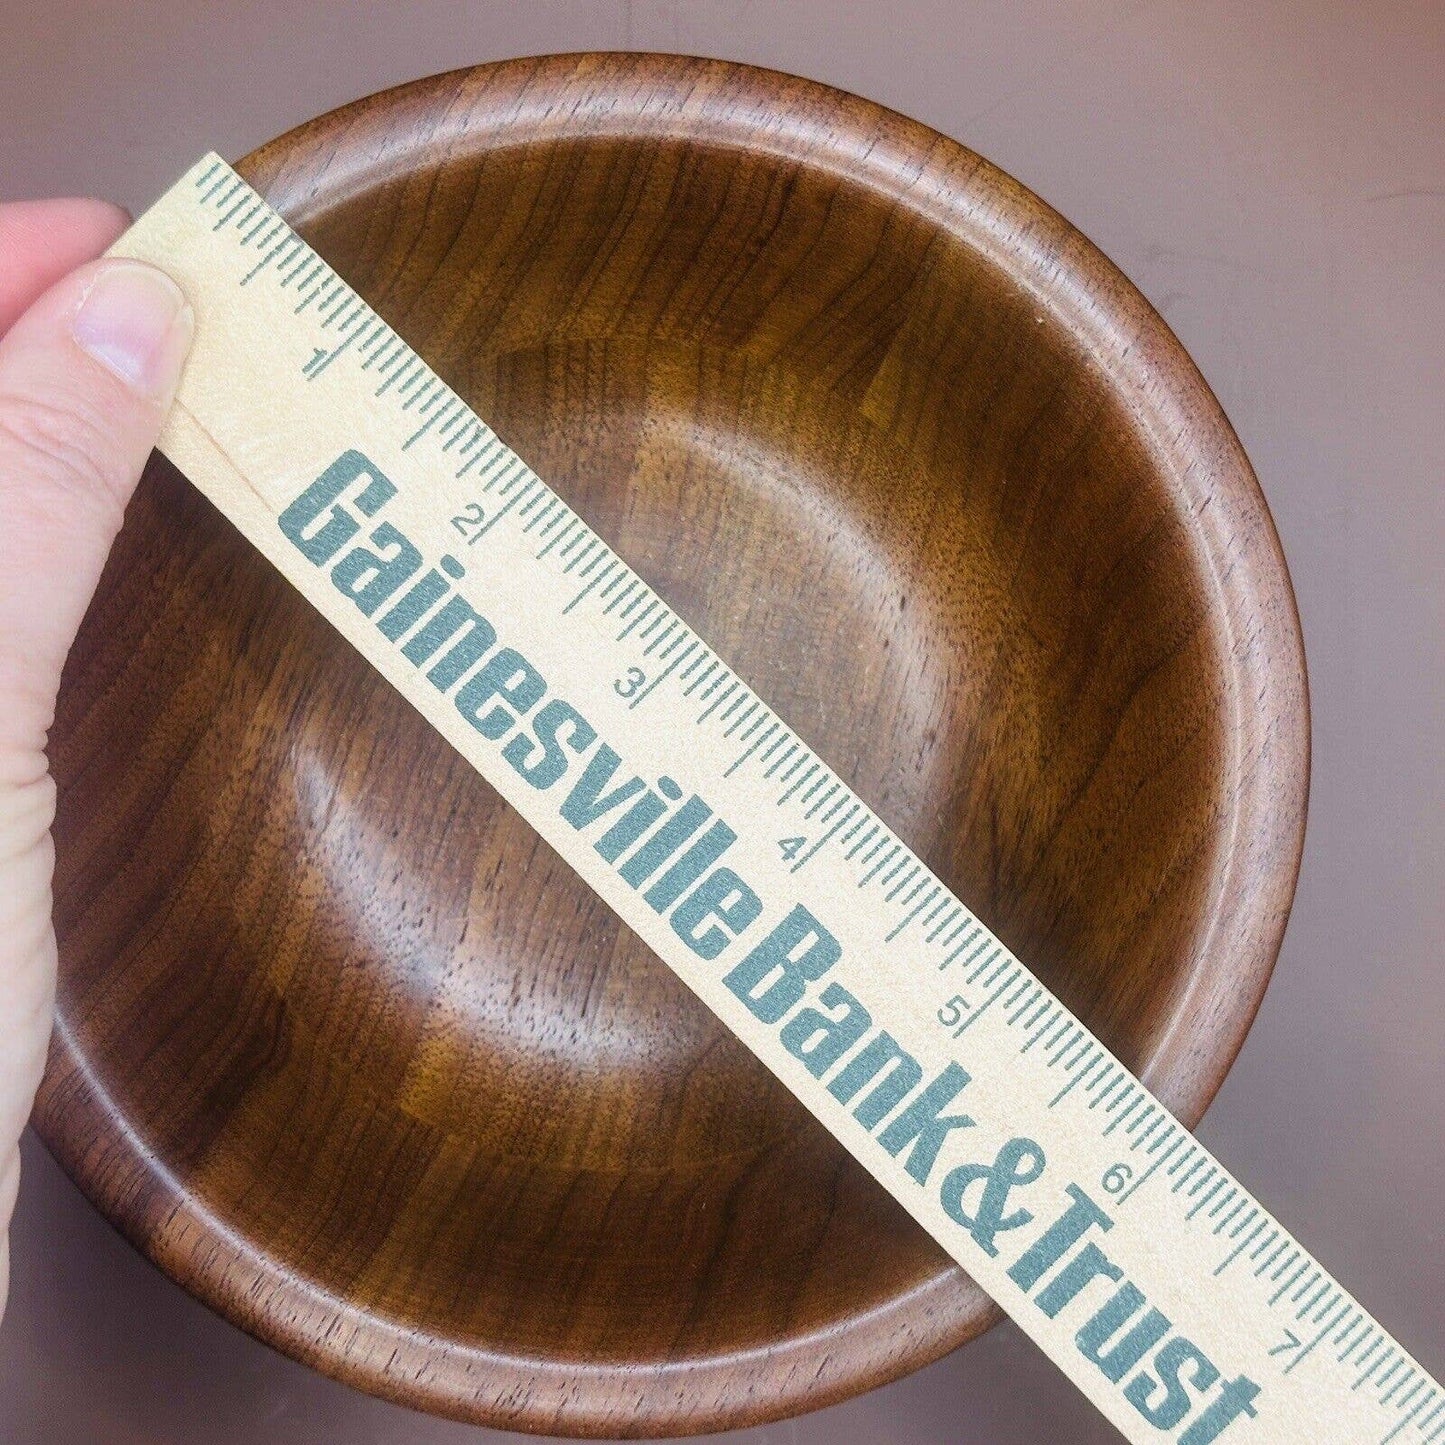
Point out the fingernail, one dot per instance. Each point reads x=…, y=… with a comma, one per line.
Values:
x=135, y=321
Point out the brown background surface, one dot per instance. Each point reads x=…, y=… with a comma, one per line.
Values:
x=1271, y=176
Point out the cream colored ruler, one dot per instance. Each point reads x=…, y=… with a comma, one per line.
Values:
x=1152, y=1279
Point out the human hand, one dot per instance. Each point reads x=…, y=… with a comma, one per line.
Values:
x=90, y=352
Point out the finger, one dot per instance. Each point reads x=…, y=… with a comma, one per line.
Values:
x=9, y=1188
x=86, y=377
x=41, y=241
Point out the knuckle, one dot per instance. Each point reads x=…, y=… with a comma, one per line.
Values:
x=60, y=455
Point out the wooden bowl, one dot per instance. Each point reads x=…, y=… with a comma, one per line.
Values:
x=352, y=1056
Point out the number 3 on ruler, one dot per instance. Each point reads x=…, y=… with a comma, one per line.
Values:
x=627, y=686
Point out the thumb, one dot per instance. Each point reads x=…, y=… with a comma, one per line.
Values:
x=86, y=377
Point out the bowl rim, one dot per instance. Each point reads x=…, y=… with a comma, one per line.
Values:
x=629, y=94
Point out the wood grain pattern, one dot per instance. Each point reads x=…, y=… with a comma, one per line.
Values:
x=348, y=1052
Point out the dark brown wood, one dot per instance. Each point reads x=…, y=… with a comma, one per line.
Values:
x=352, y=1056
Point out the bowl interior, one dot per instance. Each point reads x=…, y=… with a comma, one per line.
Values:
x=393, y=1058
